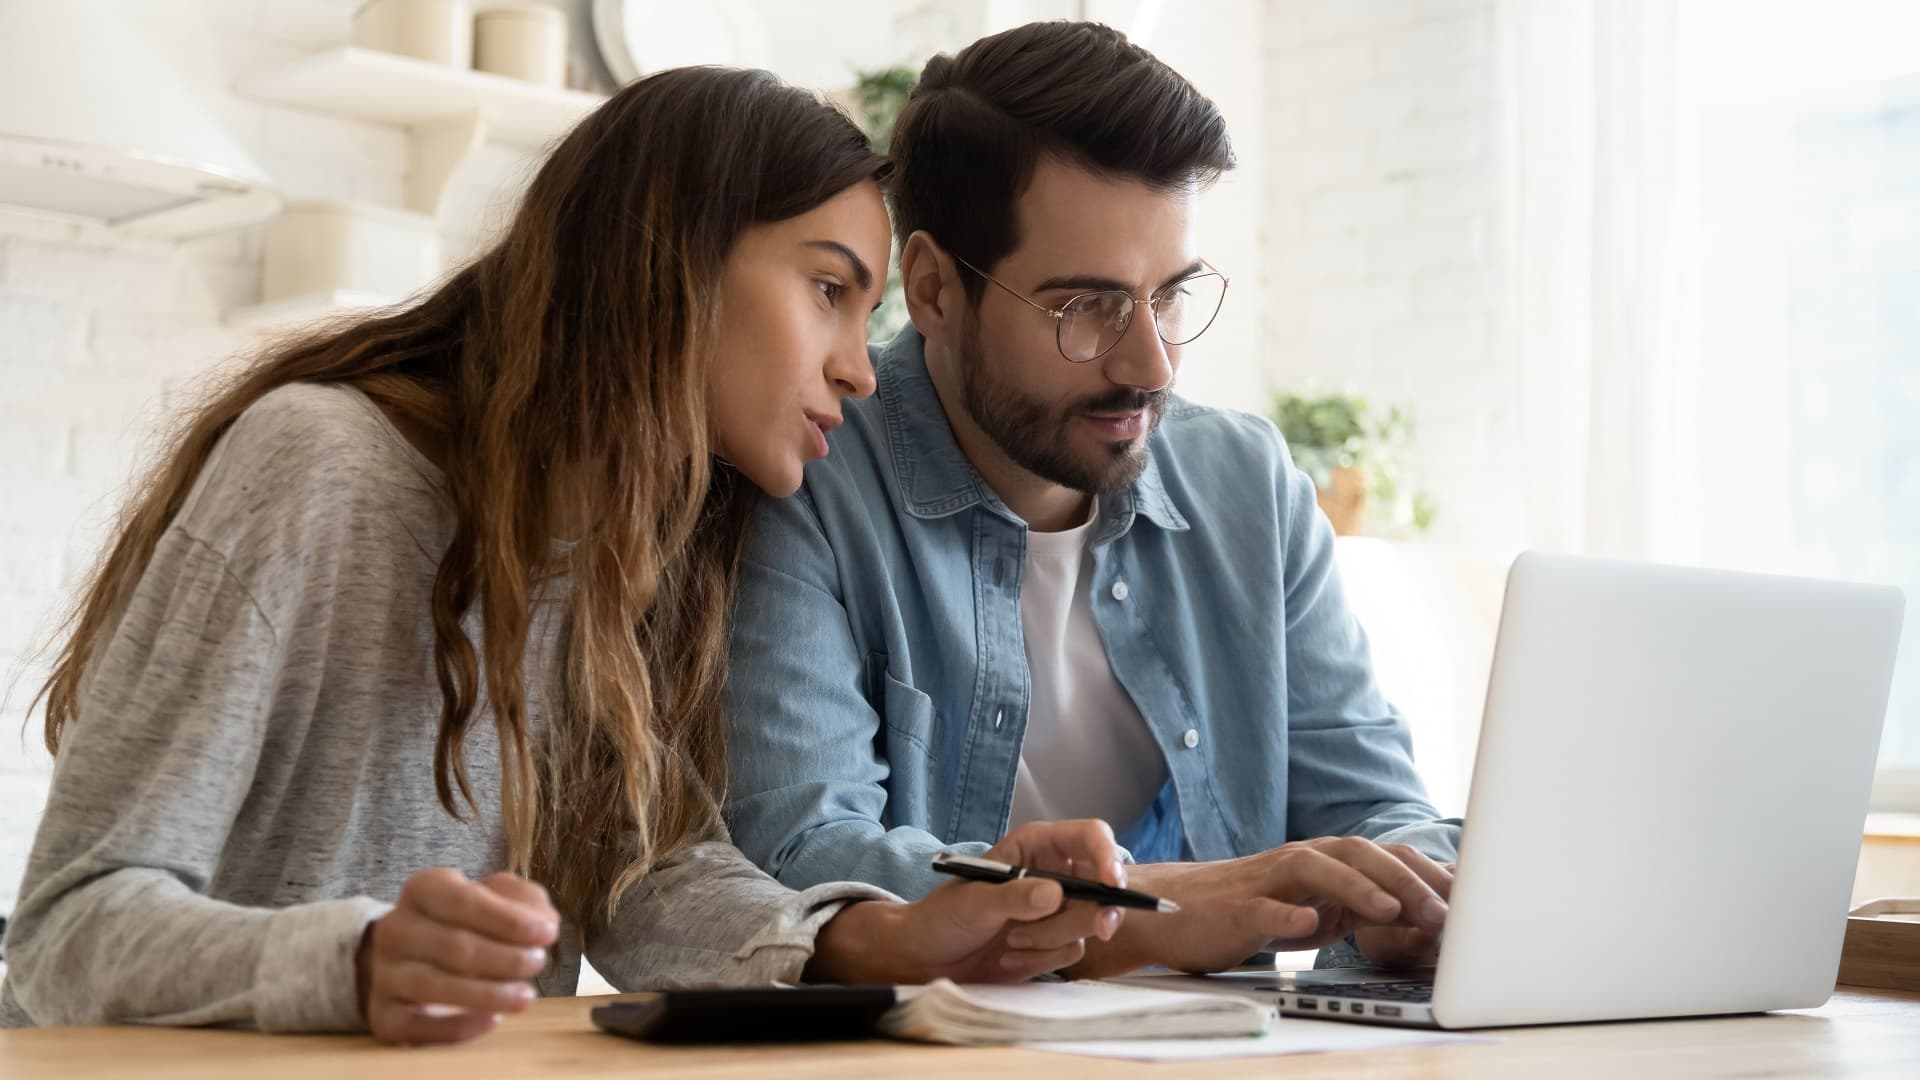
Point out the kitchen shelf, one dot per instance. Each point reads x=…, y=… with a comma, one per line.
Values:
x=400, y=91
x=295, y=310
x=448, y=113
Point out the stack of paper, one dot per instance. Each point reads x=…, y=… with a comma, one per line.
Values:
x=943, y=1012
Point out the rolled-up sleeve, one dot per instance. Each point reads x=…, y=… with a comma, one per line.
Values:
x=706, y=917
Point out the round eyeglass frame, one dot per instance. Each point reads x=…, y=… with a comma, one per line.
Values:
x=1059, y=314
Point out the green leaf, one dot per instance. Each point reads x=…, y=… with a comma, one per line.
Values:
x=1326, y=431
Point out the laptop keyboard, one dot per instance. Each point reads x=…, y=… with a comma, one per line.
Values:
x=1413, y=991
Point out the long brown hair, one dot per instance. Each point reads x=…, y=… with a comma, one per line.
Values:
x=574, y=351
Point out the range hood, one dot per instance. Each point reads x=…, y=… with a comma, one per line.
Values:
x=97, y=131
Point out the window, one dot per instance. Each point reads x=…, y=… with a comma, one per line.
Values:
x=1802, y=176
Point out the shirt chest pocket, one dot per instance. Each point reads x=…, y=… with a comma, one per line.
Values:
x=907, y=716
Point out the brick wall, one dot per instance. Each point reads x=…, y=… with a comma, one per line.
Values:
x=1382, y=185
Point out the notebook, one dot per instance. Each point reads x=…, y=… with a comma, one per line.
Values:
x=945, y=1012
x=941, y=1012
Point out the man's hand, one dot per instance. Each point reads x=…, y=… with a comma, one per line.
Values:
x=1404, y=947
x=970, y=931
x=1297, y=896
x=453, y=955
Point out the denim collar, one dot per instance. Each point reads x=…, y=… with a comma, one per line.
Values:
x=937, y=480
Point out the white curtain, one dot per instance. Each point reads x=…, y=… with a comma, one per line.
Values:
x=1713, y=257
x=1589, y=94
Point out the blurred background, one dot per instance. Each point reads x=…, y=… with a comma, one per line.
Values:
x=1624, y=277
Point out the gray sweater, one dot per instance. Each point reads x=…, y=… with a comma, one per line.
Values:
x=250, y=776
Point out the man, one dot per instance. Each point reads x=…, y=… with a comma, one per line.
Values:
x=1030, y=584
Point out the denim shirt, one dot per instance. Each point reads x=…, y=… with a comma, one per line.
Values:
x=880, y=689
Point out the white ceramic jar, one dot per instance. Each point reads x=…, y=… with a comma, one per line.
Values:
x=440, y=31
x=522, y=41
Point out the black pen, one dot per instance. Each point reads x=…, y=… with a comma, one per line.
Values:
x=1075, y=888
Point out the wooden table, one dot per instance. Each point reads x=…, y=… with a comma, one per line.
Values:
x=1857, y=1034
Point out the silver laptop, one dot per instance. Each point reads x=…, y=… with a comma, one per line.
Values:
x=1666, y=807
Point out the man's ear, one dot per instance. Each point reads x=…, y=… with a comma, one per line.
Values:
x=930, y=280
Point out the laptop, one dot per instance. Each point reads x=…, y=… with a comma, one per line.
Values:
x=1666, y=807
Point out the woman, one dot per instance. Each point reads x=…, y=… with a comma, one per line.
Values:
x=442, y=594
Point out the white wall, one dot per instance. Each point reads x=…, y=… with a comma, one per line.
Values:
x=98, y=339
x=1382, y=185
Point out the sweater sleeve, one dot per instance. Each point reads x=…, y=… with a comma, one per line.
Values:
x=708, y=917
x=114, y=922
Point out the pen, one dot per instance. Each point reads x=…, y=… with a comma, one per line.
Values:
x=1075, y=888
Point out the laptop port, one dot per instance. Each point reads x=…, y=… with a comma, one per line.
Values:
x=1356, y=1008
x=1306, y=1003
x=1386, y=1010
x=1333, y=1006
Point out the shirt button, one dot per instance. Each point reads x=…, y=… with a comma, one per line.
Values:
x=998, y=716
x=1119, y=590
x=1191, y=738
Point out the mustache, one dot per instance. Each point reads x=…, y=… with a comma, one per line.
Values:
x=1125, y=400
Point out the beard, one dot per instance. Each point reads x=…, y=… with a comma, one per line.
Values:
x=1034, y=435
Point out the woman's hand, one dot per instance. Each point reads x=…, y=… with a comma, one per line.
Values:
x=453, y=955
x=970, y=931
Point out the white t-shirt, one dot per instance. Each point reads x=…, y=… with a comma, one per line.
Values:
x=1088, y=753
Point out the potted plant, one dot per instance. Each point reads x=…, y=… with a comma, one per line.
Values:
x=1354, y=456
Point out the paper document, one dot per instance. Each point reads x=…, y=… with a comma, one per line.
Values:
x=1288, y=1036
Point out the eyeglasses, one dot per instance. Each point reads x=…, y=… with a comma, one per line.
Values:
x=1089, y=325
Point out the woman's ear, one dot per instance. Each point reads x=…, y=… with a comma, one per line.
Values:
x=931, y=283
